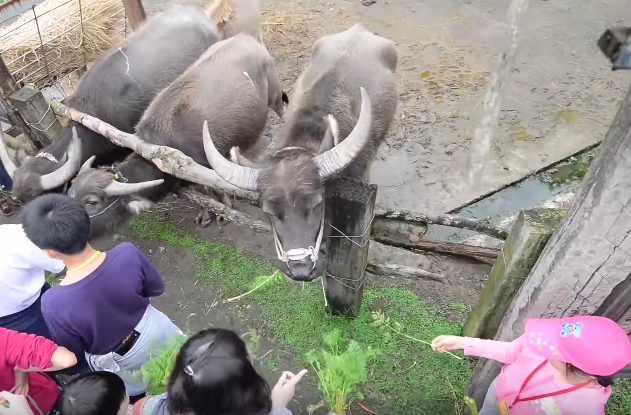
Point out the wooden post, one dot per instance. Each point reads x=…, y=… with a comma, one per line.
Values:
x=32, y=105
x=527, y=239
x=7, y=87
x=590, y=255
x=135, y=12
x=352, y=204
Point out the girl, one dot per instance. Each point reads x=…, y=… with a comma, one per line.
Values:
x=558, y=366
x=95, y=393
x=21, y=354
x=213, y=375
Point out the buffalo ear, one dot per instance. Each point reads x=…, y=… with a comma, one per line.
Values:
x=136, y=205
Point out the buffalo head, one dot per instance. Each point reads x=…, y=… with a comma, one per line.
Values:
x=291, y=187
x=42, y=173
x=108, y=199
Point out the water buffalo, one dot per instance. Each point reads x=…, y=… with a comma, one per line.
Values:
x=118, y=89
x=231, y=86
x=326, y=106
x=236, y=16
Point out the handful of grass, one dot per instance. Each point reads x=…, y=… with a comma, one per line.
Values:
x=259, y=282
x=156, y=371
x=340, y=371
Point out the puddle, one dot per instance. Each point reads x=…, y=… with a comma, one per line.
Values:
x=535, y=190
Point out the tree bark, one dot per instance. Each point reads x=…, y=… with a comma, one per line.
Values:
x=586, y=263
x=391, y=270
x=167, y=159
x=481, y=226
x=470, y=251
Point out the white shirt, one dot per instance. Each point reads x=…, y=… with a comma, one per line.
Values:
x=22, y=266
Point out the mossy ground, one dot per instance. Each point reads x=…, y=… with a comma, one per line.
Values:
x=408, y=378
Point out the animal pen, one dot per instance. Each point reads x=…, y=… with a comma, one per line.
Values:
x=554, y=263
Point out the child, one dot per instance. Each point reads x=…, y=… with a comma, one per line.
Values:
x=101, y=309
x=558, y=366
x=213, y=375
x=95, y=393
x=20, y=355
x=23, y=281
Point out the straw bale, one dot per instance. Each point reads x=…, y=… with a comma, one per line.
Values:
x=72, y=33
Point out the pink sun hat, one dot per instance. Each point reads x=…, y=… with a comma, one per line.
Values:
x=596, y=345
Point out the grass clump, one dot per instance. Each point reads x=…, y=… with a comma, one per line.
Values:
x=339, y=371
x=156, y=371
x=407, y=378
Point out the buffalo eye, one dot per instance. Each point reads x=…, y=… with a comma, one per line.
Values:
x=91, y=203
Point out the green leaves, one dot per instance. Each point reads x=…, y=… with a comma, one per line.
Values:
x=156, y=371
x=340, y=372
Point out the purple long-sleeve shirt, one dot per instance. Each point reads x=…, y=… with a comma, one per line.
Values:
x=95, y=314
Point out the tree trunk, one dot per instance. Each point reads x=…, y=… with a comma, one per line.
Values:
x=588, y=258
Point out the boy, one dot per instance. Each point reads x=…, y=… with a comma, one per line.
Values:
x=23, y=281
x=101, y=307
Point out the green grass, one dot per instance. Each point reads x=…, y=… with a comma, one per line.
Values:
x=407, y=378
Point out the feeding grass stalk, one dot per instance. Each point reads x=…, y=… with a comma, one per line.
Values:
x=266, y=280
x=381, y=320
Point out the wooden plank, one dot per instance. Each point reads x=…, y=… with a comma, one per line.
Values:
x=30, y=103
x=526, y=241
x=587, y=258
x=7, y=87
x=351, y=206
x=135, y=12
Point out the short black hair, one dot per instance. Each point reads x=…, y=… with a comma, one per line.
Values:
x=603, y=381
x=213, y=375
x=93, y=393
x=57, y=222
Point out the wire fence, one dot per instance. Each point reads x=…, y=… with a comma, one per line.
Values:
x=51, y=44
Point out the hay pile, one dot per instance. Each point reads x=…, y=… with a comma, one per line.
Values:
x=68, y=43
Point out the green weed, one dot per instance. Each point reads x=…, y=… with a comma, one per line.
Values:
x=156, y=371
x=340, y=371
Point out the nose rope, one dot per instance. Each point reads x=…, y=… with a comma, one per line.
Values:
x=106, y=209
x=296, y=254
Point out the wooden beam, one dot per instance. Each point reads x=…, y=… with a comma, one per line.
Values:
x=532, y=230
x=351, y=205
x=31, y=104
x=7, y=87
x=135, y=12
x=589, y=255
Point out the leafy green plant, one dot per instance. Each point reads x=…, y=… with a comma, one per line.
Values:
x=156, y=371
x=340, y=371
x=472, y=406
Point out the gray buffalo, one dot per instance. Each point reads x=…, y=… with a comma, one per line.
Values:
x=118, y=89
x=348, y=93
x=231, y=87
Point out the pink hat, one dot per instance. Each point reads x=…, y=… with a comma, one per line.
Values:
x=596, y=345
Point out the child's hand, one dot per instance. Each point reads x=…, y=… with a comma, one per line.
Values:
x=444, y=343
x=284, y=390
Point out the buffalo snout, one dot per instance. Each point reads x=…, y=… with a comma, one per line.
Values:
x=302, y=270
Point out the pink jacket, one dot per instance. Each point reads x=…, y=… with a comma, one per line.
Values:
x=519, y=363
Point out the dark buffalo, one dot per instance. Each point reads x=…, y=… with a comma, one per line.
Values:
x=326, y=105
x=118, y=89
x=231, y=86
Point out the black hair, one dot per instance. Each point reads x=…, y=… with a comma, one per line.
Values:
x=57, y=222
x=602, y=380
x=93, y=393
x=213, y=375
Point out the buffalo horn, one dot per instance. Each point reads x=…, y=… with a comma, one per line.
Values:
x=68, y=169
x=340, y=156
x=119, y=189
x=8, y=164
x=87, y=165
x=239, y=176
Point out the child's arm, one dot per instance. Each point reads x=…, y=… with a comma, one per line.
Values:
x=504, y=352
x=28, y=352
x=152, y=283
